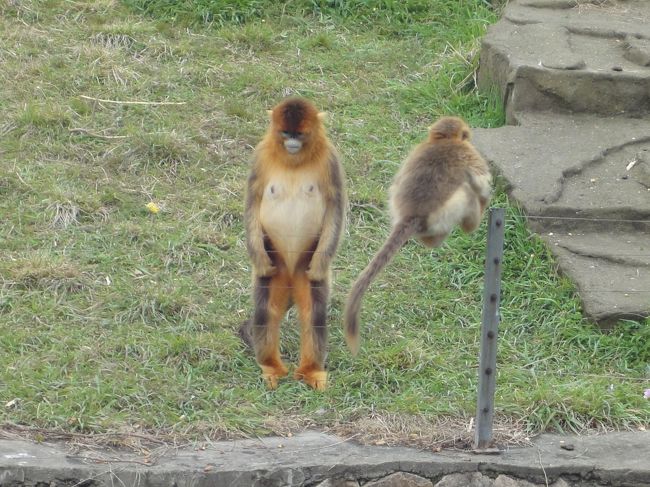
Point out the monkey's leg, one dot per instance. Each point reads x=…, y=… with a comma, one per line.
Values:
x=472, y=217
x=311, y=300
x=271, y=301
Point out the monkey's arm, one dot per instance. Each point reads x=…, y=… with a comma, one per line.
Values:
x=254, y=232
x=480, y=180
x=333, y=223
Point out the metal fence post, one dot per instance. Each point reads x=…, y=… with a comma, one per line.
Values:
x=489, y=329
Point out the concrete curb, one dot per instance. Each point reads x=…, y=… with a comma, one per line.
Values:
x=618, y=459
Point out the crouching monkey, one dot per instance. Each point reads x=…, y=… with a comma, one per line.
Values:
x=294, y=216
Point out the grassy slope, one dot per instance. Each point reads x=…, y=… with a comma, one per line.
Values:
x=114, y=318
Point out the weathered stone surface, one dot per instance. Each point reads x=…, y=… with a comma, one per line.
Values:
x=549, y=151
x=401, y=479
x=505, y=481
x=618, y=459
x=339, y=483
x=477, y=479
x=575, y=81
x=610, y=18
x=595, y=52
x=637, y=50
x=639, y=168
x=550, y=3
x=474, y=479
x=611, y=269
x=582, y=182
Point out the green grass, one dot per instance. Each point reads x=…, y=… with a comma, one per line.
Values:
x=117, y=319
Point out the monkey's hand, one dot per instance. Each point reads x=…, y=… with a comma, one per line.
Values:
x=317, y=270
x=264, y=267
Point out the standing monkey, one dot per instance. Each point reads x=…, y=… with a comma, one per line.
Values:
x=294, y=215
x=443, y=182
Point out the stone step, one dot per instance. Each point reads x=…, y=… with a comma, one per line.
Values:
x=580, y=166
x=612, y=271
x=582, y=180
x=570, y=57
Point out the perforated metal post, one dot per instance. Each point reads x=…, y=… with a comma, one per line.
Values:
x=489, y=329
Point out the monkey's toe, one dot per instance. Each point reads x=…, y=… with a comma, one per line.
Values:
x=272, y=374
x=316, y=379
x=271, y=381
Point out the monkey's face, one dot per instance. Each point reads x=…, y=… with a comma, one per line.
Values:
x=294, y=120
x=293, y=141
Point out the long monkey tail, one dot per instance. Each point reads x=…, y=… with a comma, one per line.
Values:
x=398, y=237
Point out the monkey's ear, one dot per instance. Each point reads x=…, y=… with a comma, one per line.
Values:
x=270, y=113
x=322, y=116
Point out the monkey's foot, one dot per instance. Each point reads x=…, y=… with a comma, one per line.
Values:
x=272, y=374
x=316, y=379
x=432, y=241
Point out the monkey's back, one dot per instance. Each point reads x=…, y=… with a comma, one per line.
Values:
x=428, y=178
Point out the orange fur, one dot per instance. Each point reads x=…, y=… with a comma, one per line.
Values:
x=294, y=220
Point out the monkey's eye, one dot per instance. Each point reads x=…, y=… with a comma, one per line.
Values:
x=292, y=135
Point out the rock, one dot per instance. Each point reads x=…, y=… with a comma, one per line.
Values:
x=400, y=479
x=474, y=479
x=580, y=46
x=641, y=170
x=338, y=483
x=505, y=481
x=637, y=50
x=308, y=458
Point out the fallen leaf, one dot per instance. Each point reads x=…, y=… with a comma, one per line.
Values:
x=13, y=403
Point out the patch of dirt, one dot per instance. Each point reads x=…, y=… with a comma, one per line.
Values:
x=377, y=429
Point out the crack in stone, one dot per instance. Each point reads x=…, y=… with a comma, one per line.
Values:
x=607, y=258
x=578, y=169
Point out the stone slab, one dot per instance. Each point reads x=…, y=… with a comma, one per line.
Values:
x=556, y=162
x=610, y=291
x=569, y=57
x=581, y=179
